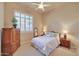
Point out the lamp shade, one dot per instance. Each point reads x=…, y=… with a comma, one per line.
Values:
x=44, y=29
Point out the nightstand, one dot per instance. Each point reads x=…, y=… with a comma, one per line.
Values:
x=64, y=43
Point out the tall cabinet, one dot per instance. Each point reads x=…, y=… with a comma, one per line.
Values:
x=10, y=41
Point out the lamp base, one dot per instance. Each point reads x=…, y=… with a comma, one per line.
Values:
x=65, y=36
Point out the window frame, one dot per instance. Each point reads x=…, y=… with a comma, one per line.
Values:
x=26, y=17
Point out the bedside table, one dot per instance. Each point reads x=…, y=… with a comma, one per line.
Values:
x=64, y=43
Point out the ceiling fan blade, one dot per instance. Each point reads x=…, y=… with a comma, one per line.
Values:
x=46, y=5
x=42, y=9
x=41, y=3
x=35, y=4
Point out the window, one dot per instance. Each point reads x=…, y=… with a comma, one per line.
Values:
x=24, y=22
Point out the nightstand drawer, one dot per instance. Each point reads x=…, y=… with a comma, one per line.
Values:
x=65, y=43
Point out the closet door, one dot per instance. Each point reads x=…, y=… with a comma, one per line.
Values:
x=17, y=37
x=6, y=39
x=13, y=41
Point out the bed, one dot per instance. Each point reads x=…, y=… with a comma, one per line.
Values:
x=46, y=43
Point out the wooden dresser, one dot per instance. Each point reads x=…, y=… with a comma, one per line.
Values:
x=10, y=41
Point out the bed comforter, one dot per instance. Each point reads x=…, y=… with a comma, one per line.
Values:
x=45, y=44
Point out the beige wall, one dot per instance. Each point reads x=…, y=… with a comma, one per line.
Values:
x=11, y=7
x=1, y=15
x=64, y=17
x=1, y=20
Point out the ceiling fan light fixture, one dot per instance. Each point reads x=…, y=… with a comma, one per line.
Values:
x=41, y=6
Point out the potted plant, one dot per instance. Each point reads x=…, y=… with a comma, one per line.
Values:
x=14, y=22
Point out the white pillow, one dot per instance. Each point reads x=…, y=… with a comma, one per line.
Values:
x=51, y=34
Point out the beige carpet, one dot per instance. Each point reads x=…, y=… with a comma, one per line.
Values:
x=61, y=51
x=28, y=50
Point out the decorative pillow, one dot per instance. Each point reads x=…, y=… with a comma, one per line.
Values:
x=48, y=34
x=51, y=34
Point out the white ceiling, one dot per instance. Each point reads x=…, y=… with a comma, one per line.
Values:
x=52, y=5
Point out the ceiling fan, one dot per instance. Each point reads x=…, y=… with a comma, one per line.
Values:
x=40, y=5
